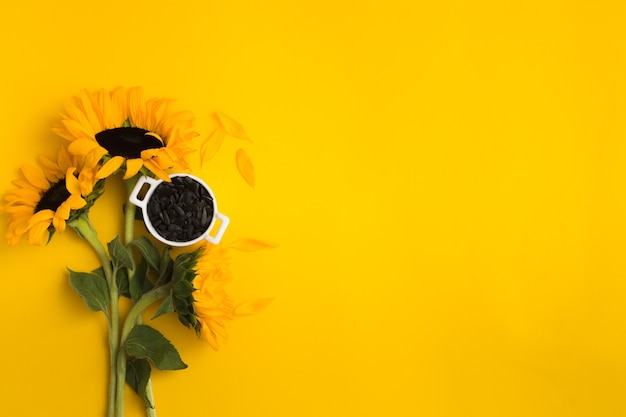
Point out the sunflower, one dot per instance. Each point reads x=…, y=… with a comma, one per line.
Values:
x=121, y=130
x=45, y=197
x=213, y=306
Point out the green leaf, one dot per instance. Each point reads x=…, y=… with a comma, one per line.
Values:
x=137, y=376
x=92, y=288
x=120, y=255
x=121, y=277
x=144, y=342
x=167, y=306
x=147, y=249
x=140, y=283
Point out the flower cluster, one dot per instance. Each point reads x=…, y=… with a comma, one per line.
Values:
x=119, y=133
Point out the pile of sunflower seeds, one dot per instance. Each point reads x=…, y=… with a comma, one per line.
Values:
x=181, y=210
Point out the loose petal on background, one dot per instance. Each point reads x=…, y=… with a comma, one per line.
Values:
x=245, y=167
x=252, y=306
x=212, y=144
x=251, y=245
x=232, y=127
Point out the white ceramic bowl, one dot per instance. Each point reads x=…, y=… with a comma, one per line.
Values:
x=143, y=203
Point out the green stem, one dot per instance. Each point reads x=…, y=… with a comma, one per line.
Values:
x=131, y=320
x=86, y=230
x=129, y=211
x=129, y=235
x=146, y=300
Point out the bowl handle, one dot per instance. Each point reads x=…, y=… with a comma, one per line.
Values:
x=140, y=182
x=220, y=231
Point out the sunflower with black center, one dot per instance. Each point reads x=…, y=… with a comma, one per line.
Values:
x=47, y=196
x=120, y=130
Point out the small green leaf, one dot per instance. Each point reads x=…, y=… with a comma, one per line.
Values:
x=121, y=277
x=140, y=283
x=120, y=255
x=167, y=306
x=92, y=288
x=149, y=252
x=144, y=342
x=137, y=376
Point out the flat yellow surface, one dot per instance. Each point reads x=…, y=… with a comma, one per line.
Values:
x=446, y=180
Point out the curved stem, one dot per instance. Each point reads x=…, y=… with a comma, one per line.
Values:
x=129, y=235
x=146, y=300
x=131, y=320
x=85, y=229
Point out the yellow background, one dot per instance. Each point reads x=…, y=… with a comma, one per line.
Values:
x=445, y=179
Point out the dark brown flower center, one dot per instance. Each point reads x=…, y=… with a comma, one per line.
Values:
x=53, y=197
x=127, y=142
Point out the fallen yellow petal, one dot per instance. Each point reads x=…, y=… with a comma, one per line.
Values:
x=252, y=306
x=212, y=144
x=245, y=167
x=231, y=126
x=251, y=245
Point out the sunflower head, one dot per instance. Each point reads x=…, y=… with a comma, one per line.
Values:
x=197, y=295
x=45, y=198
x=120, y=131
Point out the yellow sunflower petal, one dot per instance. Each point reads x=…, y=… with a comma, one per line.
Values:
x=21, y=209
x=58, y=221
x=245, y=167
x=94, y=157
x=118, y=115
x=77, y=130
x=132, y=167
x=35, y=177
x=63, y=211
x=71, y=182
x=41, y=216
x=252, y=306
x=232, y=127
x=87, y=100
x=51, y=168
x=156, y=170
x=37, y=233
x=23, y=183
x=149, y=153
x=75, y=202
x=251, y=245
x=83, y=146
x=21, y=224
x=25, y=195
x=137, y=106
x=212, y=144
x=110, y=167
x=165, y=158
